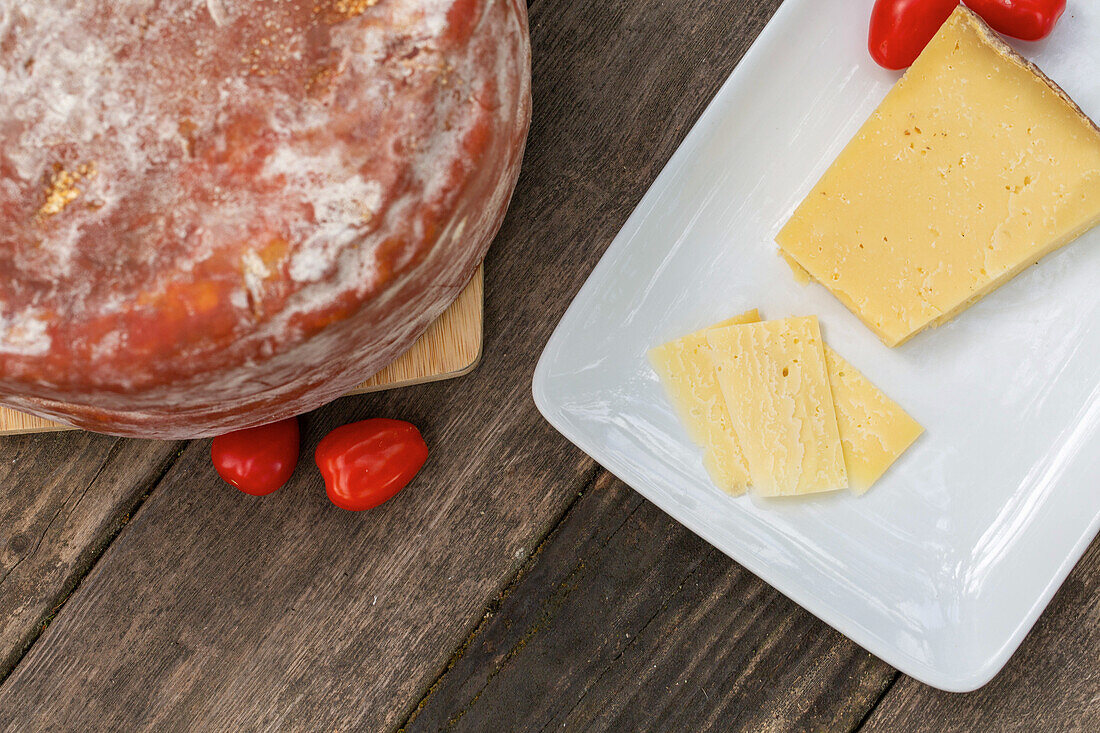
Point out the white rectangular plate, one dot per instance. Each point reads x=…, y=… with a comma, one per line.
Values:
x=944, y=566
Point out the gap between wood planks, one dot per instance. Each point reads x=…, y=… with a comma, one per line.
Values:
x=96, y=552
x=634, y=637
x=878, y=701
x=111, y=452
x=515, y=583
x=588, y=480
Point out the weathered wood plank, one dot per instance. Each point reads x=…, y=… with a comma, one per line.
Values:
x=223, y=612
x=216, y=611
x=1051, y=684
x=62, y=499
x=627, y=621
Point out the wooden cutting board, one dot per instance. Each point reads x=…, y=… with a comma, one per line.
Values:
x=449, y=348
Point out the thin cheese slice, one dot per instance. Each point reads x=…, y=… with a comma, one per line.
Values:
x=973, y=167
x=687, y=374
x=874, y=430
x=776, y=387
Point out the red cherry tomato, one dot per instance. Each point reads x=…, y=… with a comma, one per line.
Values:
x=366, y=463
x=1028, y=20
x=257, y=460
x=900, y=29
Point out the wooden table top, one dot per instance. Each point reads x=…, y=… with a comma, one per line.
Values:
x=515, y=584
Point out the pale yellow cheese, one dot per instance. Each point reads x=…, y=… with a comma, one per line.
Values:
x=776, y=387
x=874, y=430
x=974, y=166
x=686, y=371
x=800, y=275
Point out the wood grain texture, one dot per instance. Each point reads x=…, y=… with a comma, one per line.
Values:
x=217, y=611
x=625, y=620
x=1051, y=684
x=62, y=499
x=13, y=422
x=451, y=347
x=214, y=611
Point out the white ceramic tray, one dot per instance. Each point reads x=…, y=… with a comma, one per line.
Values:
x=944, y=566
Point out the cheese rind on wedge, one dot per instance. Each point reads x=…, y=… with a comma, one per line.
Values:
x=874, y=430
x=687, y=374
x=776, y=387
x=973, y=167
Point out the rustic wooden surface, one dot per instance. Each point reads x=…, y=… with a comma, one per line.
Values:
x=451, y=347
x=626, y=620
x=515, y=584
x=62, y=499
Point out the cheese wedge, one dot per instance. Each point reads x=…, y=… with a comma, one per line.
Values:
x=776, y=387
x=800, y=275
x=973, y=167
x=874, y=430
x=687, y=374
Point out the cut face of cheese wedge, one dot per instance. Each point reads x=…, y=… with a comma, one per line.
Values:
x=874, y=430
x=797, y=271
x=973, y=167
x=687, y=373
x=775, y=383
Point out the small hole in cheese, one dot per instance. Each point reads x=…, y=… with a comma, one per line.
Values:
x=786, y=371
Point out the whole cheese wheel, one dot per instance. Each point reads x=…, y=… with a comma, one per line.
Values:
x=218, y=213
